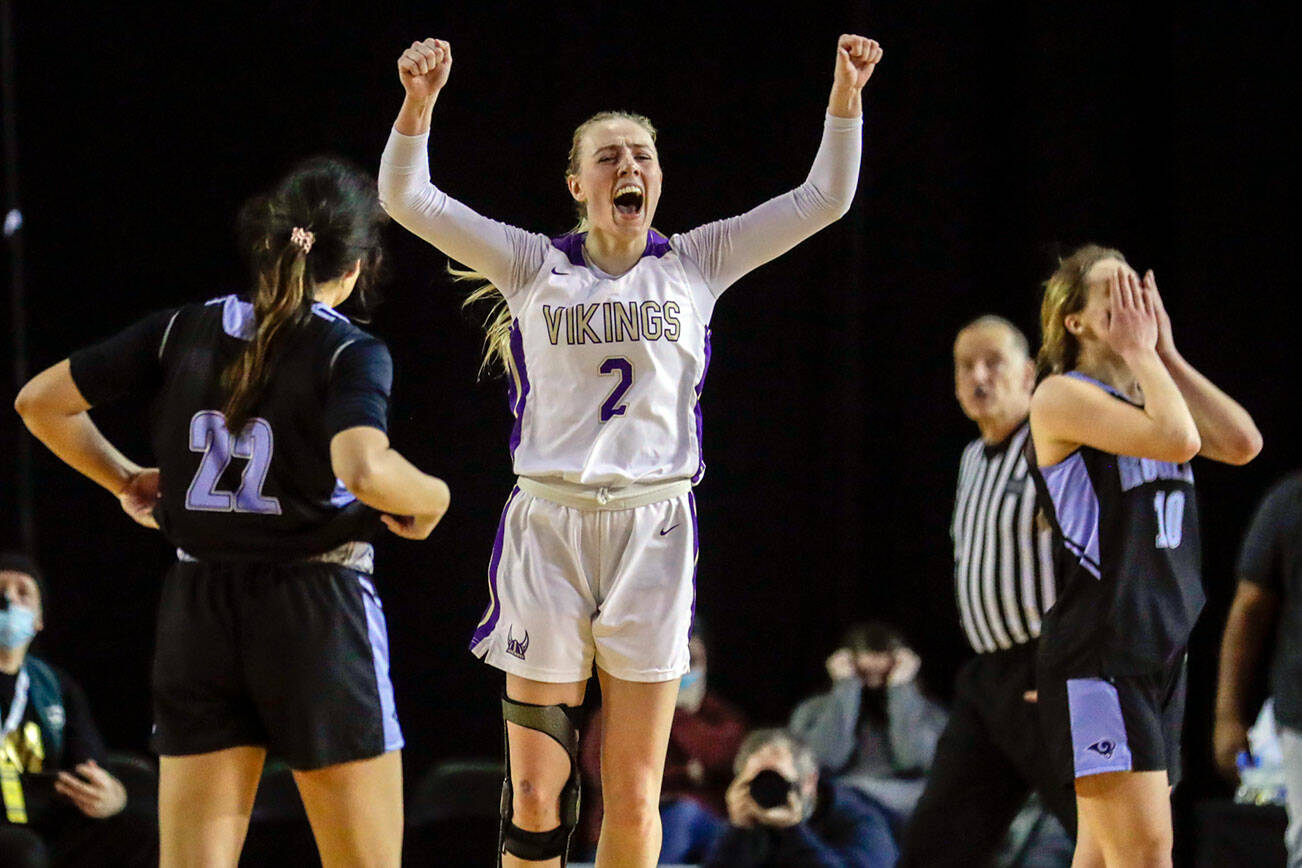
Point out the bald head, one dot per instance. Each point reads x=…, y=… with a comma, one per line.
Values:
x=993, y=375
x=995, y=322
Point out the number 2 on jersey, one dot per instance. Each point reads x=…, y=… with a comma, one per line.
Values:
x=1170, y=519
x=611, y=407
x=209, y=435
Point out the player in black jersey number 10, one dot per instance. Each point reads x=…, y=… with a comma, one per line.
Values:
x=1114, y=425
x=269, y=425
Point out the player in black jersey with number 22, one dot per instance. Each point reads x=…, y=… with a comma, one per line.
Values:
x=274, y=472
x=1114, y=425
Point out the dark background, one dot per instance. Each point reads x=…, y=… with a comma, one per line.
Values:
x=998, y=136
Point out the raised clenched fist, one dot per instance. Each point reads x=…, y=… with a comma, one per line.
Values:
x=856, y=58
x=423, y=69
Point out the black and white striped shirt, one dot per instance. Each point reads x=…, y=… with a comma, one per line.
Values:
x=1003, y=560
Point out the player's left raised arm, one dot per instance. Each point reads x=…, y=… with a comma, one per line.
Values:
x=1228, y=433
x=856, y=58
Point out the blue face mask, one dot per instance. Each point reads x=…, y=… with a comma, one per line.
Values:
x=690, y=679
x=17, y=626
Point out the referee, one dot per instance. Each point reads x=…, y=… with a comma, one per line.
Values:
x=991, y=754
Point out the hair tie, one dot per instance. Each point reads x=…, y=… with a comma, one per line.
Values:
x=302, y=238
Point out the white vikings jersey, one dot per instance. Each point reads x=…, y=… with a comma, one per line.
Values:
x=609, y=369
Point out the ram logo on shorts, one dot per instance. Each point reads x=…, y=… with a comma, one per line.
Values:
x=1103, y=748
x=517, y=647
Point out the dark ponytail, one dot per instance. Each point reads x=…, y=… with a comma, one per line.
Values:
x=321, y=219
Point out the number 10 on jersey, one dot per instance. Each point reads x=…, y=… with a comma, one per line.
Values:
x=1169, y=507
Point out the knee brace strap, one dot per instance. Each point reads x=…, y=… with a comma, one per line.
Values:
x=535, y=846
x=558, y=723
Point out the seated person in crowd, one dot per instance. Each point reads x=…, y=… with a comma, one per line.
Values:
x=706, y=732
x=781, y=815
x=61, y=807
x=874, y=730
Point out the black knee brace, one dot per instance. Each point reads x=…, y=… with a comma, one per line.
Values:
x=558, y=722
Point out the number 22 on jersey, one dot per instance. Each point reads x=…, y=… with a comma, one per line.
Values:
x=255, y=443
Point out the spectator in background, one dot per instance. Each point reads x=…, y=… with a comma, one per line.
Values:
x=874, y=730
x=61, y=806
x=704, y=737
x=1267, y=605
x=781, y=815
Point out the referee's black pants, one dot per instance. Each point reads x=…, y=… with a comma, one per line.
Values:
x=989, y=758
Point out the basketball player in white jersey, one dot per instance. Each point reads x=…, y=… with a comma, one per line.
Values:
x=604, y=334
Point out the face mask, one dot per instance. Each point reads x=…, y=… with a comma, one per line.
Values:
x=691, y=689
x=17, y=626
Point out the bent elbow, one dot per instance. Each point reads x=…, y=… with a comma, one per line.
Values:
x=388, y=195
x=444, y=499
x=29, y=402
x=841, y=209
x=391, y=192
x=1186, y=447
x=23, y=403
x=837, y=205
x=358, y=478
x=1248, y=446
x=1189, y=447
x=1242, y=447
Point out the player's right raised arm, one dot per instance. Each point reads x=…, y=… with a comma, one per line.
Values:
x=501, y=253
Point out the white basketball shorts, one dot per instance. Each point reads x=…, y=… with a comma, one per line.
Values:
x=580, y=582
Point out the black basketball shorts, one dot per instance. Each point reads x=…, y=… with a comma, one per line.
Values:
x=293, y=657
x=1123, y=724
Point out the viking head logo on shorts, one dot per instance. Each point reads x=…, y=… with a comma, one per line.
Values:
x=1103, y=748
x=517, y=647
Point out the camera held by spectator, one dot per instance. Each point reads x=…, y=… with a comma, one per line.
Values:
x=781, y=814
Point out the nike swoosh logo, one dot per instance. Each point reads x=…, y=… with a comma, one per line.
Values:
x=666, y=530
x=562, y=273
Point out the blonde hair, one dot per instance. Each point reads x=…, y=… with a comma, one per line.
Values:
x=498, y=323
x=1065, y=293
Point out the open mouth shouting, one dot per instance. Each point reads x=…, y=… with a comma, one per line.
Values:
x=629, y=200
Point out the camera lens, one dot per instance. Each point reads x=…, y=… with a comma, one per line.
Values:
x=770, y=789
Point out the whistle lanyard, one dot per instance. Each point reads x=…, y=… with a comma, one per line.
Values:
x=19, y=706
x=11, y=786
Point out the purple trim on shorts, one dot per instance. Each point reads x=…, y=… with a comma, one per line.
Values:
x=238, y=320
x=656, y=244
x=494, y=610
x=1098, y=730
x=1077, y=508
x=696, y=553
x=700, y=419
x=572, y=246
x=517, y=401
x=379, y=636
